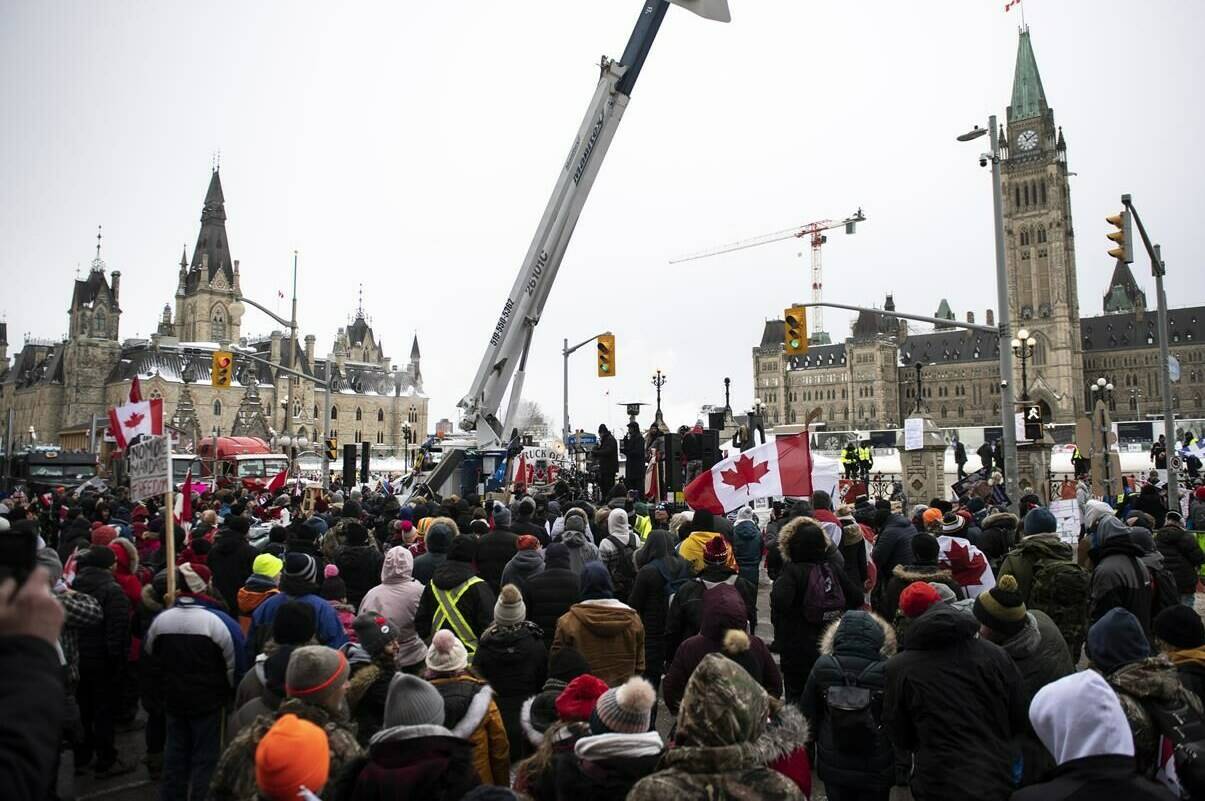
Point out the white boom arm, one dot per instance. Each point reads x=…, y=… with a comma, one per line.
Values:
x=506, y=355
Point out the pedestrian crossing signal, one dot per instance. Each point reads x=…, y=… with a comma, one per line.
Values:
x=606, y=355
x=222, y=372
x=795, y=332
x=332, y=449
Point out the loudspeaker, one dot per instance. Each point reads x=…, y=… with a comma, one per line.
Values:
x=711, y=447
x=349, y=465
x=364, y=448
x=671, y=465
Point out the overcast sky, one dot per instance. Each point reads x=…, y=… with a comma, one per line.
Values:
x=412, y=146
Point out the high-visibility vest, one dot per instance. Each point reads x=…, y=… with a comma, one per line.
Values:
x=642, y=526
x=864, y=454
x=447, y=612
x=1075, y=455
x=848, y=456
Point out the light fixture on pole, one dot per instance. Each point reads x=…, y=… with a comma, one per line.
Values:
x=659, y=381
x=1023, y=345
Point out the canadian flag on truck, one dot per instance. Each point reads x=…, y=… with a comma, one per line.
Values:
x=133, y=420
x=781, y=467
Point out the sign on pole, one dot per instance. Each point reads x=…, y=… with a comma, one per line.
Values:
x=1066, y=512
x=914, y=433
x=150, y=466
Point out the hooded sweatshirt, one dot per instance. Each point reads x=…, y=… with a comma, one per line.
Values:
x=396, y=599
x=609, y=636
x=581, y=550
x=692, y=548
x=521, y=567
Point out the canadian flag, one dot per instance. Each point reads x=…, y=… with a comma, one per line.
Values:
x=652, y=482
x=781, y=467
x=133, y=420
x=520, y=476
x=278, y=482
x=967, y=564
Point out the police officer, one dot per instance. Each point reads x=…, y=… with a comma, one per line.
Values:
x=849, y=459
x=865, y=460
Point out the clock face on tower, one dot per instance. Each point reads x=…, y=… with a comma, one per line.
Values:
x=1027, y=140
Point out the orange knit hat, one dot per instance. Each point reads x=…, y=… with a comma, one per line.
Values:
x=930, y=516
x=293, y=754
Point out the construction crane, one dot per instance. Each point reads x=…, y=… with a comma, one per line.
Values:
x=815, y=232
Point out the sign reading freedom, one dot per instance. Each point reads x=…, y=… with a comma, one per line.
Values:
x=150, y=465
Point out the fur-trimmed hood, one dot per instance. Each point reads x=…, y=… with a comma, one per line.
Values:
x=911, y=573
x=794, y=549
x=477, y=709
x=857, y=630
x=785, y=734
x=1000, y=520
x=127, y=565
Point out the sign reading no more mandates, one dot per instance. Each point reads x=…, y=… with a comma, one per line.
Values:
x=150, y=465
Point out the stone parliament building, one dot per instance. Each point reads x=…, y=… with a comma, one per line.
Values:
x=869, y=380
x=55, y=389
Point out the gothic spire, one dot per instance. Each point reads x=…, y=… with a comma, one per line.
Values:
x=414, y=354
x=213, y=249
x=1029, y=99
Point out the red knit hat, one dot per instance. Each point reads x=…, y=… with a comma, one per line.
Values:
x=527, y=542
x=716, y=550
x=103, y=535
x=576, y=701
x=917, y=597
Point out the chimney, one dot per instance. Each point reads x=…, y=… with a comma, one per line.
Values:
x=989, y=318
x=970, y=317
x=115, y=285
x=274, y=353
x=309, y=349
x=4, y=344
x=237, y=288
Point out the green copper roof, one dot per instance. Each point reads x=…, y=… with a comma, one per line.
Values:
x=944, y=311
x=1028, y=98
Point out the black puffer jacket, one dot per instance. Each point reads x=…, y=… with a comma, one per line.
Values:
x=360, y=567
x=494, y=550
x=892, y=546
x=548, y=595
x=107, y=645
x=686, y=608
x=947, y=688
x=230, y=560
x=1181, y=555
x=998, y=538
x=1120, y=577
x=655, y=583
x=855, y=649
x=514, y=661
x=77, y=533
x=476, y=604
x=903, y=575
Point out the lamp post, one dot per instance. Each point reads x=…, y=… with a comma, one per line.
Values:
x=659, y=381
x=406, y=446
x=1007, y=400
x=1102, y=391
x=1136, y=402
x=918, y=367
x=727, y=401
x=1023, y=345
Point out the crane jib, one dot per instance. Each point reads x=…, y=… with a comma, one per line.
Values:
x=594, y=133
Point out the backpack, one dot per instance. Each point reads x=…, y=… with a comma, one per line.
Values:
x=851, y=713
x=1060, y=589
x=1181, y=728
x=823, y=598
x=622, y=568
x=1164, y=594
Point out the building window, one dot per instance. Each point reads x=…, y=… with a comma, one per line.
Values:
x=380, y=415
x=380, y=437
x=315, y=411
x=217, y=323
x=334, y=412
x=1043, y=191
x=100, y=324
x=217, y=408
x=358, y=436
x=359, y=415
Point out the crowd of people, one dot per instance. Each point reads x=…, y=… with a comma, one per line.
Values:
x=522, y=647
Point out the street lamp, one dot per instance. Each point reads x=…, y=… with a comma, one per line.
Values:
x=919, y=367
x=659, y=381
x=406, y=445
x=1136, y=402
x=1023, y=345
x=1007, y=401
x=1102, y=390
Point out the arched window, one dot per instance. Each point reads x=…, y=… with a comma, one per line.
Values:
x=1043, y=191
x=1041, y=235
x=1026, y=194
x=359, y=414
x=380, y=415
x=217, y=323
x=315, y=411
x=217, y=408
x=380, y=437
x=334, y=412
x=100, y=324
x=1017, y=197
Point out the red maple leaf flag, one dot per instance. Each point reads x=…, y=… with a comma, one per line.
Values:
x=966, y=563
x=782, y=467
x=133, y=420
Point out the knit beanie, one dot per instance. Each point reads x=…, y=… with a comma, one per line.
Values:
x=447, y=653
x=316, y=674
x=501, y=516
x=527, y=542
x=413, y=702
x=333, y=586
x=953, y=524
x=103, y=535
x=576, y=701
x=301, y=566
x=510, y=609
x=596, y=582
x=276, y=669
x=97, y=556
x=267, y=565
x=294, y=753
x=556, y=555
x=295, y=623
x=1117, y=639
x=624, y=709
x=567, y=664
x=575, y=522
x=1002, y=608
x=944, y=592
x=462, y=549
x=715, y=552
x=439, y=537
x=925, y=548
x=931, y=517
x=356, y=534
x=916, y=599
x=196, y=577
x=1180, y=627
x=373, y=632
x=1039, y=520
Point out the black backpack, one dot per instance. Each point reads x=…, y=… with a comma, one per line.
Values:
x=851, y=713
x=622, y=568
x=1164, y=594
x=1185, y=730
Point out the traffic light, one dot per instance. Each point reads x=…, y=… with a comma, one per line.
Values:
x=795, y=332
x=332, y=449
x=606, y=355
x=223, y=369
x=1123, y=236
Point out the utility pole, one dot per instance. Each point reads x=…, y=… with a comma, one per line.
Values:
x=566, y=352
x=326, y=425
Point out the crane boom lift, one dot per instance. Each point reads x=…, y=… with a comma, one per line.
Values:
x=505, y=358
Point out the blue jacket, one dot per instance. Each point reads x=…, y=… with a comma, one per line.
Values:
x=329, y=630
x=746, y=547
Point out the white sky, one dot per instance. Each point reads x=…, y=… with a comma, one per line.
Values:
x=412, y=146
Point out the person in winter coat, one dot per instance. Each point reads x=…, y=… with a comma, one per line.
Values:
x=1181, y=555
x=1082, y=726
x=125, y=569
x=549, y=593
x=1120, y=651
x=316, y=683
x=528, y=562
x=523, y=522
x=292, y=757
x=703, y=529
x=1037, y=649
x=855, y=553
x=512, y=658
x=396, y=599
x=1151, y=502
x=231, y=559
x=892, y=546
x=722, y=631
x=273, y=670
x=572, y=708
x=439, y=540
x=469, y=707
x=608, y=633
x=946, y=689
x=369, y=684
x=620, y=540
x=581, y=550
x=798, y=621
x=334, y=592
x=716, y=751
x=925, y=550
x=496, y=548
x=747, y=545
x=661, y=574
x=299, y=583
x=262, y=584
x=456, y=598
x=195, y=659
x=414, y=757
x=853, y=649
x=359, y=563
x=619, y=751
x=686, y=608
x=103, y=650
x=998, y=536
x=1120, y=578
x=1180, y=636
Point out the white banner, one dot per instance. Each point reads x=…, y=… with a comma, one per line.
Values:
x=1067, y=513
x=914, y=433
x=150, y=464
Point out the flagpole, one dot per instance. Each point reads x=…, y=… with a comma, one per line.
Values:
x=169, y=528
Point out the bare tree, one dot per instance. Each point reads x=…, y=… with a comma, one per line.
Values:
x=532, y=420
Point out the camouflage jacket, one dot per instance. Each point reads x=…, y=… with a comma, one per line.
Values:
x=729, y=772
x=234, y=777
x=1151, y=681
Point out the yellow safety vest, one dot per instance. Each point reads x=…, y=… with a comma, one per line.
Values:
x=448, y=613
x=642, y=527
x=848, y=456
x=864, y=454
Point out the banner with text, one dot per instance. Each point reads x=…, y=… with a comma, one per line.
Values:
x=150, y=465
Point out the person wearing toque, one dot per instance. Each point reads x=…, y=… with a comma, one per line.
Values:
x=262, y=584
x=1180, y=635
x=299, y=582
x=292, y=757
x=370, y=683
x=512, y=658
